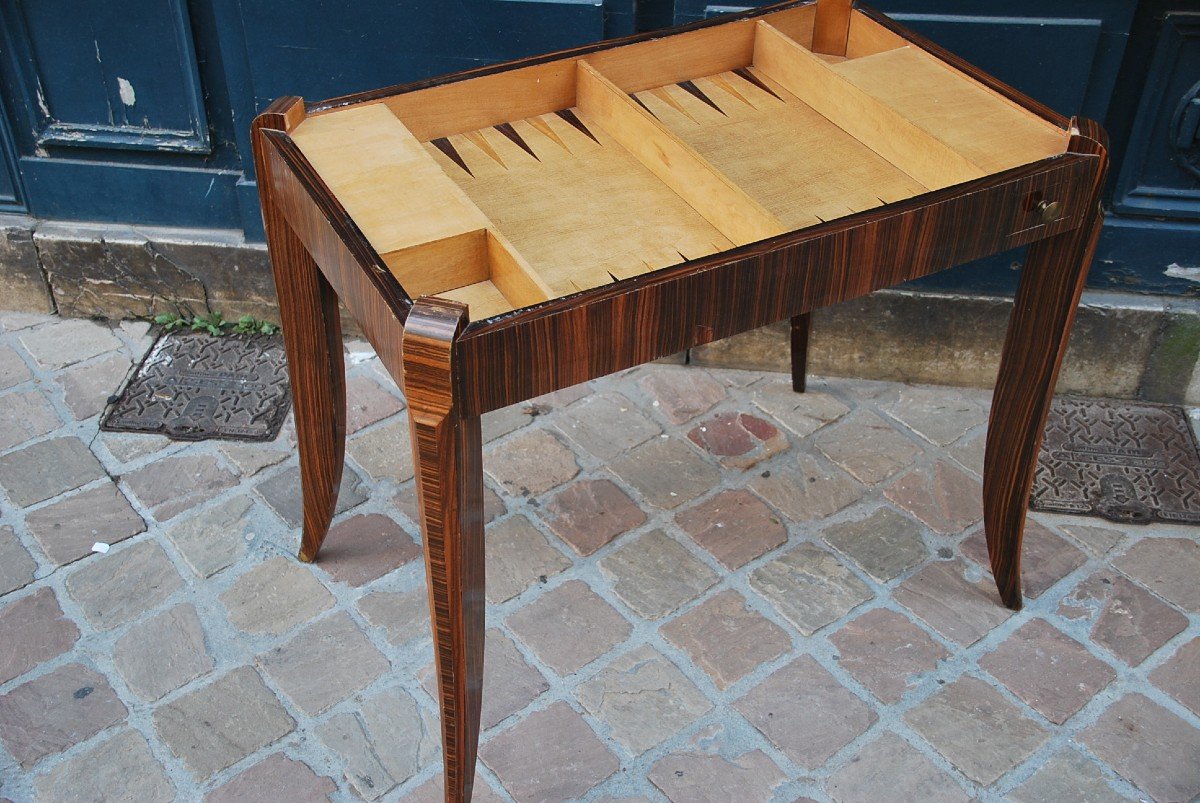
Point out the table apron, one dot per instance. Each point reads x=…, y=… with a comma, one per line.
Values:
x=572, y=340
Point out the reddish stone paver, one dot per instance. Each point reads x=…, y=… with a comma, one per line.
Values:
x=324, y=664
x=569, y=627
x=274, y=597
x=46, y=469
x=162, y=653
x=55, y=711
x=886, y=653
x=807, y=489
x=940, y=415
x=1045, y=557
x=25, y=415
x=66, y=530
x=712, y=770
x=606, y=425
x=33, y=629
x=175, y=484
x=218, y=725
x=367, y=402
x=972, y=725
x=403, y=615
x=726, y=638
x=1051, y=671
x=86, y=388
x=738, y=440
x=867, y=447
x=682, y=395
x=1128, y=621
x=1151, y=747
x=961, y=610
x=643, y=698
x=802, y=413
x=286, y=778
x=1168, y=567
x=1180, y=675
x=666, y=472
x=943, y=496
x=518, y=556
x=734, y=526
x=531, y=463
x=889, y=763
x=550, y=755
x=808, y=727
x=120, y=586
x=366, y=547
x=589, y=514
x=17, y=566
x=120, y=768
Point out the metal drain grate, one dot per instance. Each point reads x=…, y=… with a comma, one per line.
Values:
x=194, y=386
x=1127, y=462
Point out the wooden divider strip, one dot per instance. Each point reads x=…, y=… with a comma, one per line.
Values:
x=832, y=27
x=721, y=202
x=884, y=130
x=512, y=275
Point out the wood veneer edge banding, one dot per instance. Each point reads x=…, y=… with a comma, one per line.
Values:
x=676, y=164
x=897, y=139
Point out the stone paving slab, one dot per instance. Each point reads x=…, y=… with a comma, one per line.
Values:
x=701, y=587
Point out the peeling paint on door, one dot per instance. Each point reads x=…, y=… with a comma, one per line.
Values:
x=128, y=96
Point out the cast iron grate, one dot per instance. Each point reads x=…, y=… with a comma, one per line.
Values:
x=193, y=386
x=1127, y=462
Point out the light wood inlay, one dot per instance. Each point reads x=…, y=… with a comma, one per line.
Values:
x=964, y=115
x=584, y=212
x=798, y=165
x=881, y=128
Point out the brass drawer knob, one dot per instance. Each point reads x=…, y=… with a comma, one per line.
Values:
x=1049, y=211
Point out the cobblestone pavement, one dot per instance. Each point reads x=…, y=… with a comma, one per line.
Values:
x=702, y=587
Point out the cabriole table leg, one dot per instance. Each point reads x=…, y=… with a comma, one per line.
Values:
x=1047, y=297
x=448, y=455
x=312, y=334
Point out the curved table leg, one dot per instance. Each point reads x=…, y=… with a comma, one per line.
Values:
x=801, y=328
x=312, y=335
x=1048, y=294
x=448, y=454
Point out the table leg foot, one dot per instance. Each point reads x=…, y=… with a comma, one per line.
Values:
x=448, y=455
x=801, y=328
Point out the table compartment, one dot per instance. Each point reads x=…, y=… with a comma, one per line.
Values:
x=509, y=189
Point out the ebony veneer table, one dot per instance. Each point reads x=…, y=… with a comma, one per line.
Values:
x=508, y=231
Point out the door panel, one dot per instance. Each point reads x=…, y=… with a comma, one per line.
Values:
x=1161, y=171
x=110, y=75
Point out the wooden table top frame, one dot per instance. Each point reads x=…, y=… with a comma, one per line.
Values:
x=512, y=230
